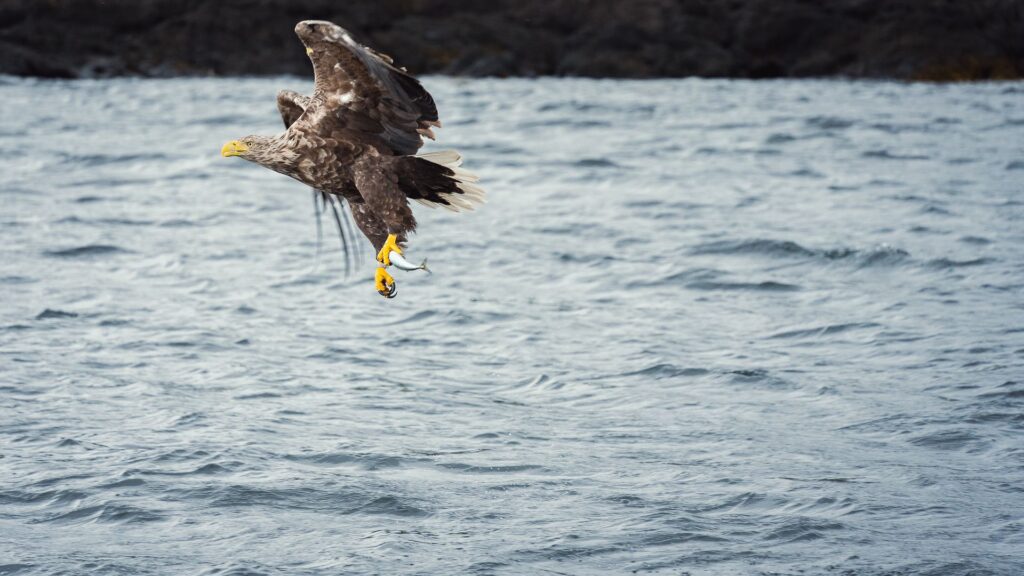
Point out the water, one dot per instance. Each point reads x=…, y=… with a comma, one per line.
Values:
x=704, y=327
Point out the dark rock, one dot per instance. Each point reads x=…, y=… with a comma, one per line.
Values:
x=909, y=39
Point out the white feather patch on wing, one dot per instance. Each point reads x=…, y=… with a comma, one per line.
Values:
x=345, y=98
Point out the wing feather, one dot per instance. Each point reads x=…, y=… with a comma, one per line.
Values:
x=352, y=80
x=377, y=182
x=291, y=105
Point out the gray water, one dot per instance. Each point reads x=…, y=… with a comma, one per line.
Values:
x=701, y=327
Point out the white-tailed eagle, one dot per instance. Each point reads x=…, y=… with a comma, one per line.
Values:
x=357, y=138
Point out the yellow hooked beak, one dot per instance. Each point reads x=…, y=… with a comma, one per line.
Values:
x=309, y=51
x=233, y=148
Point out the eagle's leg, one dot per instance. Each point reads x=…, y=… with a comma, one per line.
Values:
x=385, y=284
x=390, y=245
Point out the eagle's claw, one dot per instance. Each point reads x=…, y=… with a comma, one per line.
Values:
x=385, y=284
x=390, y=245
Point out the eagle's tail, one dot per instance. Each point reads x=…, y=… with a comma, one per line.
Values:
x=435, y=179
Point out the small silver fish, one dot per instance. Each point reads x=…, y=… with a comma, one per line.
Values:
x=399, y=261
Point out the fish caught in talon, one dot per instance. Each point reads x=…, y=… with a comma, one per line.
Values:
x=357, y=142
x=399, y=261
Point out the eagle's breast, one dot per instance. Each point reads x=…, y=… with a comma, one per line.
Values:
x=324, y=163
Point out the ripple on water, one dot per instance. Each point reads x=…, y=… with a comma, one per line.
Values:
x=789, y=249
x=1009, y=391
x=16, y=279
x=752, y=246
x=665, y=370
x=760, y=378
x=50, y=314
x=820, y=331
x=948, y=263
x=105, y=513
x=390, y=506
x=802, y=529
x=240, y=568
x=86, y=251
x=829, y=122
x=510, y=469
x=763, y=286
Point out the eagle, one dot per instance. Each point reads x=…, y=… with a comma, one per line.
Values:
x=357, y=138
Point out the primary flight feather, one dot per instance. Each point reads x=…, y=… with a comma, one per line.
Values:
x=357, y=138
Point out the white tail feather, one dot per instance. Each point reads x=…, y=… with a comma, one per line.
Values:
x=471, y=195
x=465, y=175
x=449, y=158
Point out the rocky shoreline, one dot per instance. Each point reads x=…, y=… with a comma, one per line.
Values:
x=940, y=40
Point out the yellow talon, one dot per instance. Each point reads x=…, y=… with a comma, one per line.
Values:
x=385, y=284
x=391, y=245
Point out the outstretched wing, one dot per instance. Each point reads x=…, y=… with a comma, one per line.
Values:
x=291, y=105
x=361, y=95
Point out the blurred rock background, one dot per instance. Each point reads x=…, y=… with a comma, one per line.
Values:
x=907, y=39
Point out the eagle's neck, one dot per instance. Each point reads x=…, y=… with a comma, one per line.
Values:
x=275, y=153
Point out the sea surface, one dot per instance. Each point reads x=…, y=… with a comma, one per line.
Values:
x=701, y=327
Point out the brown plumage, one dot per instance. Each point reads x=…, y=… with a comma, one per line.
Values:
x=358, y=135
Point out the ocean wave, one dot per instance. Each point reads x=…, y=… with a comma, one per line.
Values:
x=821, y=331
x=86, y=251
x=788, y=249
x=50, y=314
x=764, y=286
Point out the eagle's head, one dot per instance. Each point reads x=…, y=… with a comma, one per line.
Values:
x=319, y=33
x=269, y=151
x=266, y=150
x=247, y=147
